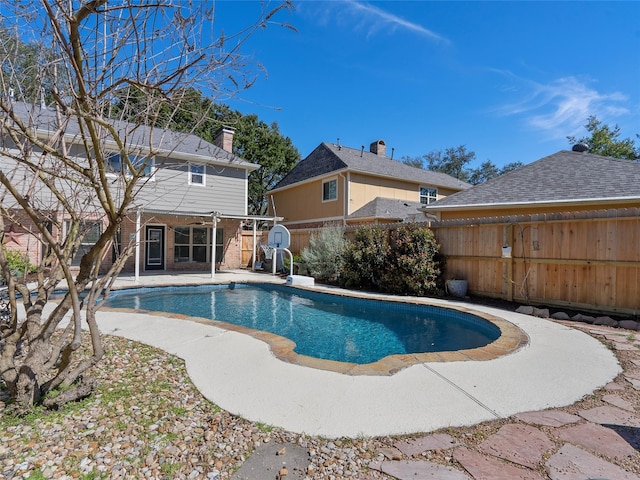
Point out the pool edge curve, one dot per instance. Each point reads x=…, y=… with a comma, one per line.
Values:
x=511, y=339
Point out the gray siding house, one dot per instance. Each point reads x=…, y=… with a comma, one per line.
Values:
x=188, y=210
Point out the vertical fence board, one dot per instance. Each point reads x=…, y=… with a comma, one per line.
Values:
x=628, y=239
x=579, y=241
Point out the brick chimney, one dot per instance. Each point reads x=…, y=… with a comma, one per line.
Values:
x=224, y=139
x=379, y=148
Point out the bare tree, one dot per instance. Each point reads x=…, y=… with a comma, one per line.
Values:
x=58, y=101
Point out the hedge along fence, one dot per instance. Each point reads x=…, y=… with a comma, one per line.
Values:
x=580, y=260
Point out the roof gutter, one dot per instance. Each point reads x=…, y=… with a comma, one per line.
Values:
x=208, y=214
x=410, y=180
x=546, y=203
x=310, y=180
x=350, y=170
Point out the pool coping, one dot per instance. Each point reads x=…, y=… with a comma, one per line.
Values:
x=511, y=338
x=241, y=374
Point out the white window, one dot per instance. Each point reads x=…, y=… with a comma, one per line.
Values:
x=117, y=166
x=428, y=195
x=196, y=174
x=193, y=244
x=329, y=190
x=182, y=242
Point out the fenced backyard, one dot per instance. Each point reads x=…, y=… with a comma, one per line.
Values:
x=580, y=260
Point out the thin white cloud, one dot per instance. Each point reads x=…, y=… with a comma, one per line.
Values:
x=377, y=15
x=372, y=19
x=562, y=106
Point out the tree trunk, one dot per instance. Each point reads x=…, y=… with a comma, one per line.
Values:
x=82, y=389
x=27, y=388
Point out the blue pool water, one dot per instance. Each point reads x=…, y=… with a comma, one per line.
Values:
x=322, y=325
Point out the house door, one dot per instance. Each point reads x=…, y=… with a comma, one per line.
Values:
x=154, y=255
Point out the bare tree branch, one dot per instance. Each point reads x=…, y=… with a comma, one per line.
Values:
x=80, y=83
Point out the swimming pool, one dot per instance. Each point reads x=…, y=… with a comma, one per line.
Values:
x=325, y=326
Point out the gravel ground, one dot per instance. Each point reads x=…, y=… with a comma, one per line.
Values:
x=147, y=420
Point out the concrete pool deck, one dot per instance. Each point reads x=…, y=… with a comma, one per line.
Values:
x=239, y=373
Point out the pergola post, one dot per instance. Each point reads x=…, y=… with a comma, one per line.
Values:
x=138, y=226
x=213, y=245
x=253, y=253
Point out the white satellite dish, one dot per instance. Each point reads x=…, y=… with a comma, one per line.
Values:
x=279, y=237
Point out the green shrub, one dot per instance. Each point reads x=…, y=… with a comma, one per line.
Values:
x=365, y=258
x=18, y=263
x=323, y=256
x=413, y=264
x=287, y=262
x=404, y=261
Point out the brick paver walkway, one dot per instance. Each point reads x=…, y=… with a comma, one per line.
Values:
x=596, y=438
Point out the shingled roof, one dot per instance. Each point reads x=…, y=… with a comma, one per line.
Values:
x=328, y=158
x=389, y=209
x=562, y=178
x=163, y=141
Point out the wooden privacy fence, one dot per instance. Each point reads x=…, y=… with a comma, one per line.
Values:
x=579, y=260
x=583, y=260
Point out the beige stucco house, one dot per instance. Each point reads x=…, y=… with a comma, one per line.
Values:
x=353, y=186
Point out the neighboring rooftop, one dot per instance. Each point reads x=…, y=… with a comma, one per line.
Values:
x=329, y=158
x=389, y=209
x=564, y=177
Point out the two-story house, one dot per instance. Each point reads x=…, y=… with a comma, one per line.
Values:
x=354, y=186
x=188, y=211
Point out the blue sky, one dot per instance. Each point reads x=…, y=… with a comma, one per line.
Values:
x=508, y=79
